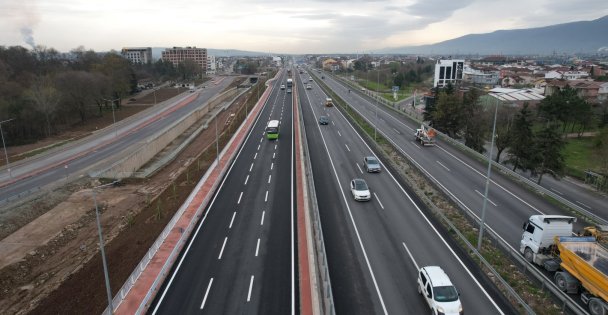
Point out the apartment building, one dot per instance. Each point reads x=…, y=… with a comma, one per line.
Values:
x=176, y=55
x=211, y=65
x=448, y=71
x=137, y=54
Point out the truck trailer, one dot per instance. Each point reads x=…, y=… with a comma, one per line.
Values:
x=424, y=135
x=579, y=263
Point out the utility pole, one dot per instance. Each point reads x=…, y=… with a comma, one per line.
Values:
x=8, y=166
x=485, y=195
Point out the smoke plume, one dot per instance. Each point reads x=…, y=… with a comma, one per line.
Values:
x=28, y=36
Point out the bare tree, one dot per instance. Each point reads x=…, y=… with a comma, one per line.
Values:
x=45, y=97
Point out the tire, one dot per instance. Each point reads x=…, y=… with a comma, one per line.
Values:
x=560, y=282
x=596, y=307
x=528, y=255
x=419, y=290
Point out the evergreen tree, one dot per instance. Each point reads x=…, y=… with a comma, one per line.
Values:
x=522, y=138
x=547, y=154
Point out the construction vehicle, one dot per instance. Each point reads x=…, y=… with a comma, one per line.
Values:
x=426, y=136
x=579, y=263
x=329, y=102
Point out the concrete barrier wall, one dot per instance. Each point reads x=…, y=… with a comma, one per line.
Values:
x=129, y=164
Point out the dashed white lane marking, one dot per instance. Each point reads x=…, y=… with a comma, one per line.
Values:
x=257, y=248
x=266, y=198
x=261, y=139
x=359, y=167
x=556, y=191
x=347, y=148
x=232, y=221
x=339, y=134
x=222, y=250
x=490, y=201
x=275, y=146
x=271, y=165
x=250, y=287
x=582, y=204
x=443, y=166
x=397, y=131
x=269, y=177
x=246, y=179
x=251, y=167
x=255, y=156
x=240, y=196
x=273, y=155
x=259, y=147
x=416, y=144
x=206, y=293
x=332, y=122
x=381, y=206
x=411, y=256
x=263, y=214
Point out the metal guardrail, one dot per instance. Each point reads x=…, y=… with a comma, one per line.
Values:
x=126, y=287
x=327, y=302
x=567, y=302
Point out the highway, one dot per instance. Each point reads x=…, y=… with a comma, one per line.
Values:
x=374, y=248
x=241, y=258
x=509, y=203
x=74, y=159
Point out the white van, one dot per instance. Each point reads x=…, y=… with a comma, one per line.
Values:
x=438, y=291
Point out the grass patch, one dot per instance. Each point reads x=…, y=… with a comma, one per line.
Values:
x=578, y=157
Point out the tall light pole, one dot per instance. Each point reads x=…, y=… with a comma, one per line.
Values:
x=8, y=166
x=113, y=115
x=485, y=195
x=377, y=101
x=103, y=254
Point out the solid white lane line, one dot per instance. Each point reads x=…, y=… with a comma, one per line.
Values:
x=359, y=167
x=271, y=165
x=222, y=250
x=490, y=201
x=232, y=221
x=255, y=156
x=251, y=166
x=206, y=293
x=266, y=198
x=411, y=256
x=584, y=205
x=347, y=148
x=556, y=191
x=381, y=206
x=250, y=287
x=269, y=177
x=246, y=179
x=263, y=214
x=339, y=134
x=443, y=166
x=240, y=196
x=257, y=248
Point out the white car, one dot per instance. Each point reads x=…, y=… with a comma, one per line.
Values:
x=359, y=189
x=438, y=291
x=282, y=86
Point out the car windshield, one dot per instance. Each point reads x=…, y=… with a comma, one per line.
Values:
x=445, y=294
x=323, y=118
x=360, y=185
x=372, y=161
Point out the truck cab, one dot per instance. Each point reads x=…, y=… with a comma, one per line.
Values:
x=539, y=234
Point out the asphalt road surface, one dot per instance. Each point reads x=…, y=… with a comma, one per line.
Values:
x=241, y=258
x=374, y=248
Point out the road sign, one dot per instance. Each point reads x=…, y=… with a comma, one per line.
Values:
x=395, y=88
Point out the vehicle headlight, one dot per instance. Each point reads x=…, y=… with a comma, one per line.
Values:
x=440, y=309
x=460, y=310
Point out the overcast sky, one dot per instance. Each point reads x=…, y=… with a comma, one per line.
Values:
x=302, y=26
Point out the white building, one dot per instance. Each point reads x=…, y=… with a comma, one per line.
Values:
x=137, y=54
x=448, y=71
x=211, y=65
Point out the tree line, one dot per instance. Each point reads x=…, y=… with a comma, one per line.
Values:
x=532, y=136
x=44, y=92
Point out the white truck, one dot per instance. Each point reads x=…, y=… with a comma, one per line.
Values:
x=426, y=136
x=579, y=263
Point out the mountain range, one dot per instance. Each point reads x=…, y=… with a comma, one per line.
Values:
x=574, y=37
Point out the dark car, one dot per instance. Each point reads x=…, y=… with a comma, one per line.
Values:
x=372, y=165
x=323, y=120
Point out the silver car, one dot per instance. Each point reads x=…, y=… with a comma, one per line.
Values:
x=372, y=165
x=360, y=190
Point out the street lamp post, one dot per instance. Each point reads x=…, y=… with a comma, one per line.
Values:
x=114, y=116
x=103, y=254
x=485, y=195
x=8, y=166
x=377, y=102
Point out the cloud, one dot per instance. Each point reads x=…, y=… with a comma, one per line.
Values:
x=436, y=10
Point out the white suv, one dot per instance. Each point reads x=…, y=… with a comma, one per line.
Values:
x=438, y=291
